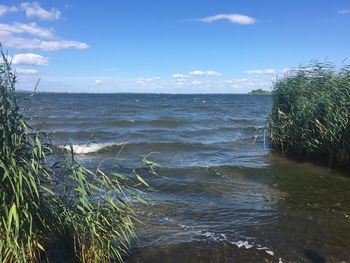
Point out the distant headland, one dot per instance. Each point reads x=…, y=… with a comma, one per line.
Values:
x=259, y=92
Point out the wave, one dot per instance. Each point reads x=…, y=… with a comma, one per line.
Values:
x=150, y=146
x=159, y=146
x=88, y=148
x=239, y=243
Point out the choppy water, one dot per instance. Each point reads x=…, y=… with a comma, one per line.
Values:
x=222, y=196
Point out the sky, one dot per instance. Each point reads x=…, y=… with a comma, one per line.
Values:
x=169, y=46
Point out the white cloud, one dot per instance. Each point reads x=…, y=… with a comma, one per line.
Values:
x=232, y=18
x=261, y=72
x=7, y=9
x=99, y=82
x=344, y=11
x=45, y=39
x=151, y=83
x=179, y=76
x=197, y=73
x=165, y=85
x=30, y=59
x=236, y=81
x=149, y=80
x=199, y=84
x=213, y=73
x=196, y=82
x=23, y=36
x=26, y=71
x=24, y=43
x=32, y=10
x=200, y=73
x=245, y=83
x=30, y=29
x=35, y=10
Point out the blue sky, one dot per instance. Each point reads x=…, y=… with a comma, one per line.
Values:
x=182, y=46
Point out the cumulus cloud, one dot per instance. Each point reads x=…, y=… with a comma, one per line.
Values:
x=344, y=11
x=99, y=82
x=179, y=76
x=16, y=36
x=237, y=81
x=232, y=18
x=26, y=71
x=197, y=73
x=246, y=83
x=30, y=59
x=150, y=81
x=31, y=36
x=261, y=72
x=200, y=73
x=213, y=73
x=7, y=9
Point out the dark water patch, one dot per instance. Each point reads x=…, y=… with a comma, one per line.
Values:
x=197, y=252
x=257, y=205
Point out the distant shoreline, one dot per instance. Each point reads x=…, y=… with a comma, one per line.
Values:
x=259, y=92
x=130, y=93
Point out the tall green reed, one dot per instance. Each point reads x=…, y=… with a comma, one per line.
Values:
x=310, y=116
x=89, y=211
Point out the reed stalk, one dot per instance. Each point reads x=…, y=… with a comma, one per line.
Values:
x=40, y=204
x=310, y=116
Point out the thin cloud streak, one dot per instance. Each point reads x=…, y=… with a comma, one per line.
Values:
x=15, y=36
x=29, y=28
x=52, y=45
x=344, y=11
x=35, y=10
x=32, y=10
x=7, y=9
x=26, y=71
x=232, y=18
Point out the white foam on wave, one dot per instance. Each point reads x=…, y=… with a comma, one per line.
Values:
x=167, y=219
x=240, y=243
x=88, y=148
x=244, y=244
x=212, y=236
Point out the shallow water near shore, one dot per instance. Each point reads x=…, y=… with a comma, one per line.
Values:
x=221, y=195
